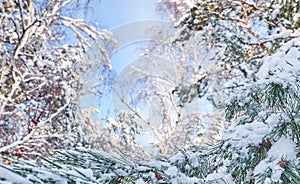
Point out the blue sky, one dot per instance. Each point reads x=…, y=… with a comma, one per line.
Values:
x=110, y=14
x=113, y=13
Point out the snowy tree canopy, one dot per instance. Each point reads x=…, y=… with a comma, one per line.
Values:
x=256, y=45
x=40, y=76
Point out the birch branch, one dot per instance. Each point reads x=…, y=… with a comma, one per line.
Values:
x=30, y=135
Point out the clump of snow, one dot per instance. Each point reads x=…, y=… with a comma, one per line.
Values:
x=179, y=157
x=183, y=179
x=248, y=134
x=142, y=168
x=120, y=172
x=140, y=181
x=158, y=164
x=219, y=178
x=273, y=120
x=283, y=66
x=171, y=171
x=285, y=149
x=106, y=176
x=194, y=159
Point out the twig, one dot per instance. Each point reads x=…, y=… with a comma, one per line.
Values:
x=30, y=135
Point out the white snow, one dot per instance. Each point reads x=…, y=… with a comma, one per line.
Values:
x=12, y=177
x=219, y=178
x=142, y=168
x=275, y=12
x=194, y=159
x=268, y=181
x=80, y=172
x=183, y=179
x=283, y=66
x=179, y=157
x=171, y=171
x=273, y=120
x=248, y=134
x=140, y=181
x=285, y=149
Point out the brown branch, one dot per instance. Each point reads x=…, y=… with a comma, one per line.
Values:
x=244, y=13
x=251, y=5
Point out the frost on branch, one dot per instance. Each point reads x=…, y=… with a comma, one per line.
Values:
x=113, y=135
x=40, y=75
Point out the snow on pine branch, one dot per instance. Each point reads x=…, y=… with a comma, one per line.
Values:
x=283, y=67
x=87, y=166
